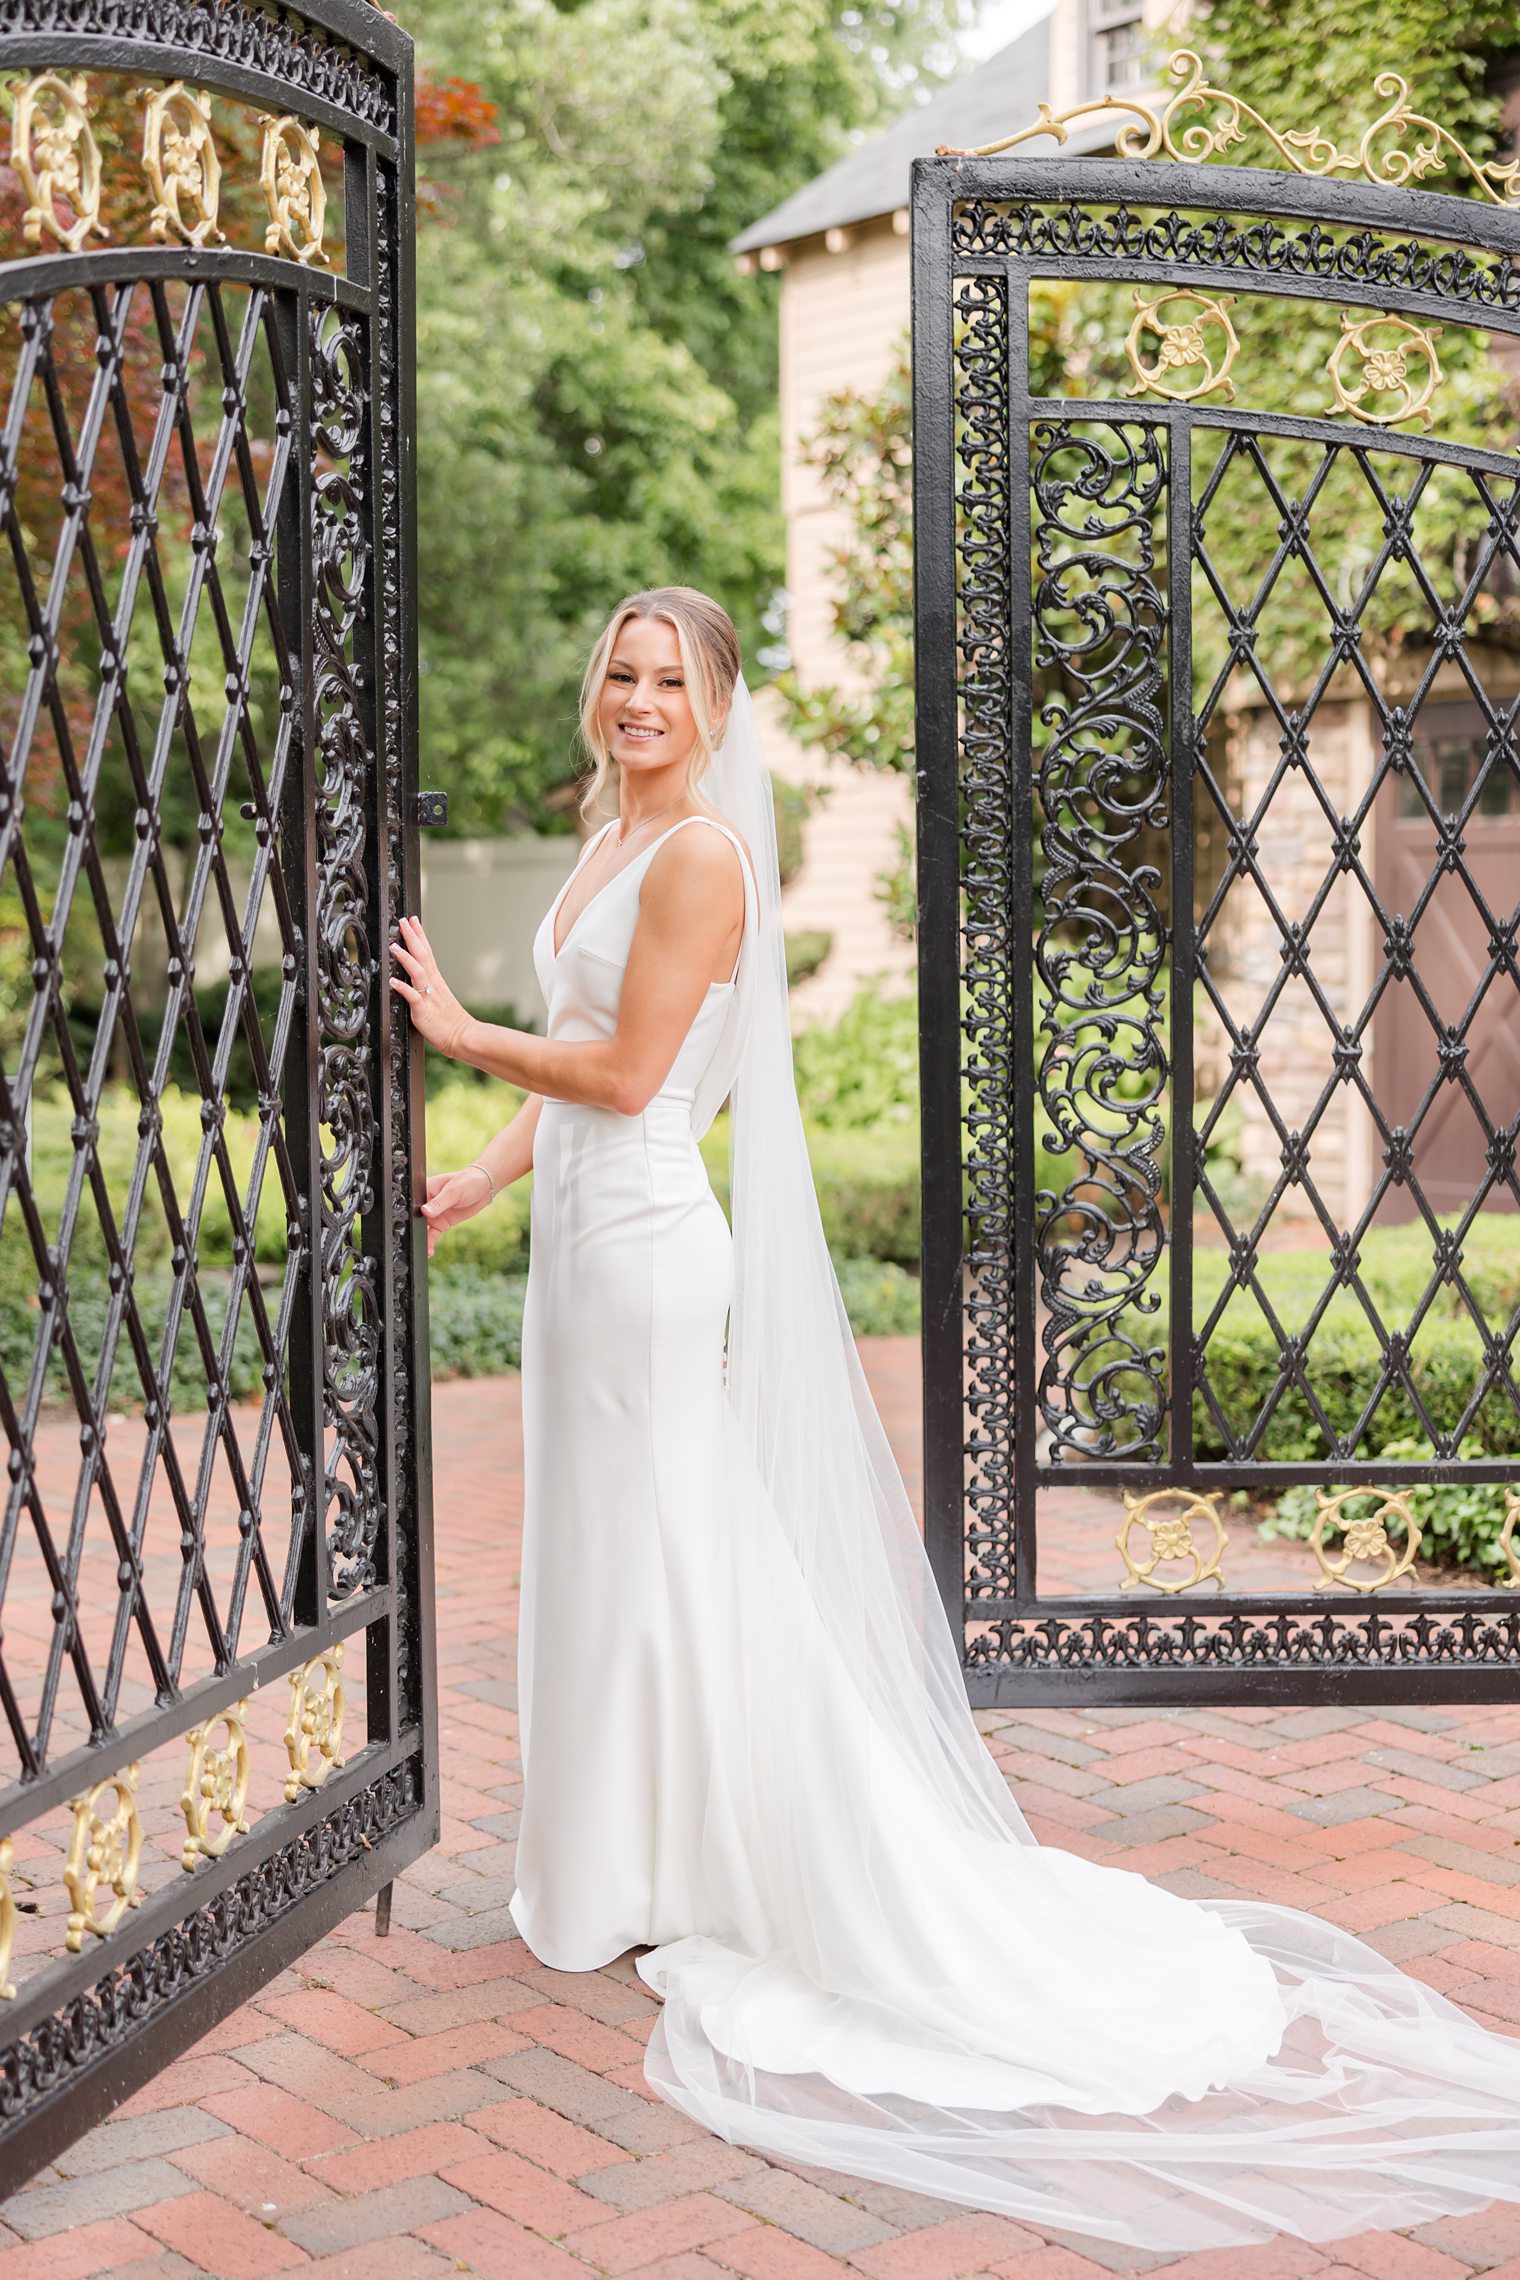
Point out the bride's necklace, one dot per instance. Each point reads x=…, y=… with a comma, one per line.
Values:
x=637, y=827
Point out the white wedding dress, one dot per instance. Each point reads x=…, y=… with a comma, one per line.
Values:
x=747, y=1747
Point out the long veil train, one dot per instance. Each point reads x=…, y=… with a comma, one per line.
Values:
x=898, y=1981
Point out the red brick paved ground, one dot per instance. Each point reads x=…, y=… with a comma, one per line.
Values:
x=435, y=2102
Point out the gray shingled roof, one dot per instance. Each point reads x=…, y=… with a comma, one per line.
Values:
x=993, y=98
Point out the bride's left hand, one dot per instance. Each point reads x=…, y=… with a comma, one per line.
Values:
x=436, y=1012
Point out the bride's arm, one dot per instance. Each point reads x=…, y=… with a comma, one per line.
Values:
x=453, y=1197
x=692, y=897
x=508, y=1155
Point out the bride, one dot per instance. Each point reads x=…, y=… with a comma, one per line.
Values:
x=746, y=1743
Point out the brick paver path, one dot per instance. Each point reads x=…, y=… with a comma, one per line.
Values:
x=435, y=2102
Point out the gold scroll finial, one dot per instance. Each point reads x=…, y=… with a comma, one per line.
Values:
x=1173, y=131
x=55, y=154
x=180, y=161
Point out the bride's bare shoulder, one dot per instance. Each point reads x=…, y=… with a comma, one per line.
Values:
x=700, y=862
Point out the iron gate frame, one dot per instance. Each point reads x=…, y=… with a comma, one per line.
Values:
x=83, y=2033
x=1417, y=253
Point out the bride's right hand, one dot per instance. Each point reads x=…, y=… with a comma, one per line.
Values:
x=453, y=1197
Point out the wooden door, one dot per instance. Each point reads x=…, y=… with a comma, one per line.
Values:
x=1461, y=977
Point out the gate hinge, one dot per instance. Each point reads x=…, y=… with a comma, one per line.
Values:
x=431, y=808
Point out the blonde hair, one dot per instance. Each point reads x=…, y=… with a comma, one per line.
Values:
x=710, y=661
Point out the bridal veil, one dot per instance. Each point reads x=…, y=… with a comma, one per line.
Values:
x=896, y=1980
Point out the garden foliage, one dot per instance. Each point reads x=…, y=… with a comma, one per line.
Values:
x=593, y=371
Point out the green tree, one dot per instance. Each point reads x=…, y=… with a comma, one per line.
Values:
x=597, y=384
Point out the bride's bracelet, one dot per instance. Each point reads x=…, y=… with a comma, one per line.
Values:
x=477, y=1166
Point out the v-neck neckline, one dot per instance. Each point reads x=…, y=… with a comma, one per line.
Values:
x=554, y=909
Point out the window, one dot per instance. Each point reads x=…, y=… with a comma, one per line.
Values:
x=1452, y=746
x=1116, y=46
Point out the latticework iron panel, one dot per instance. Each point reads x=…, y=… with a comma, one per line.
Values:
x=1436, y=617
x=215, y=1661
x=173, y=707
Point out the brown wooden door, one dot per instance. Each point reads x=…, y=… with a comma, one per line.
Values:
x=1463, y=966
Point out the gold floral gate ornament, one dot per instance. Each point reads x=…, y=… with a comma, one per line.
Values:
x=1398, y=364
x=291, y=178
x=181, y=163
x=7, y=1917
x=57, y=160
x=1202, y=342
x=315, y=1733
x=1365, y=1542
x=105, y=1854
x=1164, y=1522
x=55, y=154
x=1509, y=1549
x=216, y=1786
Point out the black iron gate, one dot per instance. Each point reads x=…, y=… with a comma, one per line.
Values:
x=1218, y=558
x=216, y=1674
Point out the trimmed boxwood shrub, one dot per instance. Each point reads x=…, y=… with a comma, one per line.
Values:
x=461, y=1118
x=20, y=1321
x=867, y=1187
x=881, y=1300
x=1243, y=1365
x=805, y=953
x=1344, y=1357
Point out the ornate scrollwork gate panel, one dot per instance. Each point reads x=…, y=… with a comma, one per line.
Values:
x=216, y=1671
x=1219, y=800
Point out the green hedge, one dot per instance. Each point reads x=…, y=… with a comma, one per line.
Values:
x=856, y=1084
x=867, y=1180
x=461, y=1118
x=475, y=1318
x=867, y=1184
x=474, y=1321
x=20, y=1320
x=1344, y=1356
x=1345, y=1364
x=805, y=953
x=882, y=1301
x=116, y=1146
